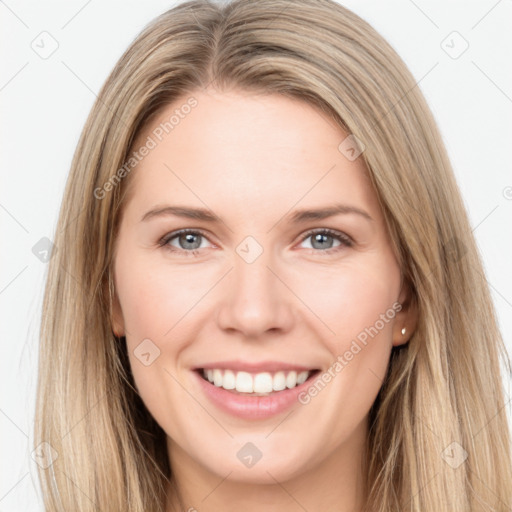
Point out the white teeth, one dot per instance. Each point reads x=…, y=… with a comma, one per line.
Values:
x=259, y=383
x=279, y=381
x=217, y=377
x=291, y=380
x=244, y=382
x=229, y=381
x=262, y=383
x=301, y=377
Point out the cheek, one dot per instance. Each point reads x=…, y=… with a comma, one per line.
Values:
x=356, y=302
x=352, y=297
x=156, y=297
x=157, y=302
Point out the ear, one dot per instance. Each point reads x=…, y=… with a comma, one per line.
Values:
x=116, y=313
x=117, y=317
x=407, y=318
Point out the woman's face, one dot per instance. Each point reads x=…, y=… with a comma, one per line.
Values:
x=286, y=268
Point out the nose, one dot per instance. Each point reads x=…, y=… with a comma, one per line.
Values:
x=255, y=300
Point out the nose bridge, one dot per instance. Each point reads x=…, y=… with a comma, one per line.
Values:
x=256, y=301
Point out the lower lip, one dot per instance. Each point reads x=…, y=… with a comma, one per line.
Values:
x=252, y=407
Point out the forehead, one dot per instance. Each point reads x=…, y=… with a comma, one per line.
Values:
x=249, y=152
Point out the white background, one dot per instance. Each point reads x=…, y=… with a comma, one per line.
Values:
x=45, y=102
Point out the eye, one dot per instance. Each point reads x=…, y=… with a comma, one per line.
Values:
x=323, y=240
x=184, y=241
x=189, y=241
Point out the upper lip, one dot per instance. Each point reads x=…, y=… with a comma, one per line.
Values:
x=252, y=367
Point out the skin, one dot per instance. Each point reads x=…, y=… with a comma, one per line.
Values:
x=254, y=160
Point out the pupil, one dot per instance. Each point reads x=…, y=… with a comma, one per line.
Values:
x=188, y=241
x=320, y=238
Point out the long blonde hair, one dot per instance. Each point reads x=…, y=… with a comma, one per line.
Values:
x=439, y=439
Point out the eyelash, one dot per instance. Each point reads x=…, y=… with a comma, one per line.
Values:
x=345, y=241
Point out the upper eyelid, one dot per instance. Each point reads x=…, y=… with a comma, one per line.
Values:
x=329, y=231
x=173, y=234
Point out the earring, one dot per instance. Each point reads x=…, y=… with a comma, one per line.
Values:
x=403, y=331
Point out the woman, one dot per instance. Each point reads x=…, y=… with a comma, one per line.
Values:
x=275, y=300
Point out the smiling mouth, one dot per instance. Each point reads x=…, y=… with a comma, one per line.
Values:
x=256, y=384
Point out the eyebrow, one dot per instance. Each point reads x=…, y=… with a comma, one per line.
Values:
x=181, y=211
x=297, y=217
x=324, y=213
